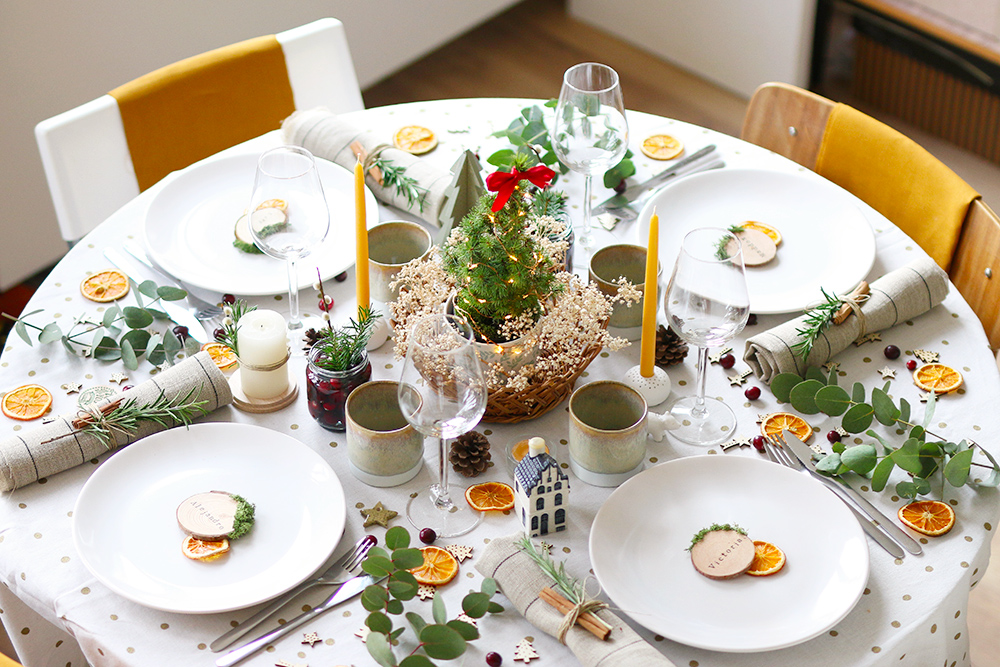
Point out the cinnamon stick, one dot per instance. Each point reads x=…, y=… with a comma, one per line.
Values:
x=845, y=310
x=588, y=621
x=362, y=155
x=80, y=422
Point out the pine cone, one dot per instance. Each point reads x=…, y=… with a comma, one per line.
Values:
x=470, y=454
x=310, y=338
x=670, y=349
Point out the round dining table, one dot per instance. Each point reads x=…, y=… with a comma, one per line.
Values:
x=912, y=610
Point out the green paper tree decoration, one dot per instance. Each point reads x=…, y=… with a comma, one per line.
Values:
x=465, y=190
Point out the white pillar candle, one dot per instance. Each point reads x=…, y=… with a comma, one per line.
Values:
x=262, y=340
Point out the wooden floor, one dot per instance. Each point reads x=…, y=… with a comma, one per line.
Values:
x=524, y=52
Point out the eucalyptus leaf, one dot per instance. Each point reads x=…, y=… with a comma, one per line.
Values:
x=441, y=642
x=379, y=622
x=993, y=478
x=907, y=457
x=138, y=339
x=168, y=293
x=156, y=356
x=829, y=464
x=402, y=590
x=781, y=385
x=881, y=474
x=904, y=410
x=378, y=552
x=377, y=566
x=148, y=287
x=860, y=459
x=906, y=490
x=918, y=433
x=438, y=611
x=468, y=631
x=397, y=537
x=374, y=597
x=858, y=393
x=858, y=418
x=110, y=315
x=886, y=449
x=191, y=346
x=957, y=469
x=929, y=408
x=816, y=373
x=832, y=378
x=475, y=604
x=803, y=396
x=379, y=649
x=136, y=318
x=407, y=559
x=22, y=330
x=395, y=634
x=171, y=344
x=838, y=447
x=489, y=586
x=394, y=607
x=417, y=622
x=50, y=333
x=128, y=356
x=833, y=400
x=107, y=350
x=158, y=314
x=137, y=294
x=495, y=608
x=886, y=411
x=922, y=486
x=416, y=660
x=501, y=158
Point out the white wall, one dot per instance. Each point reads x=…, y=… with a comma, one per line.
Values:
x=738, y=44
x=55, y=55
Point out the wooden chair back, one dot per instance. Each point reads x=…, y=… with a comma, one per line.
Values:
x=975, y=268
x=787, y=120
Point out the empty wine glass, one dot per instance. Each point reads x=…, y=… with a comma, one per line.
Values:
x=706, y=303
x=591, y=133
x=288, y=212
x=442, y=393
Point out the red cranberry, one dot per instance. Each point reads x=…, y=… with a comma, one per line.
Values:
x=370, y=539
x=727, y=361
x=427, y=535
x=228, y=299
x=752, y=393
x=219, y=334
x=126, y=387
x=181, y=332
x=621, y=187
x=758, y=443
x=340, y=277
x=324, y=306
x=494, y=659
x=833, y=436
x=751, y=319
x=911, y=365
x=891, y=352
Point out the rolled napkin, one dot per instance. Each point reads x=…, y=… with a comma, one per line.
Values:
x=521, y=581
x=326, y=135
x=895, y=297
x=57, y=446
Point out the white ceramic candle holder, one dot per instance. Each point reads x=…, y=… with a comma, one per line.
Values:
x=654, y=389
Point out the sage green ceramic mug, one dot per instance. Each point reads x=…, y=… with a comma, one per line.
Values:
x=382, y=448
x=621, y=261
x=607, y=432
x=390, y=246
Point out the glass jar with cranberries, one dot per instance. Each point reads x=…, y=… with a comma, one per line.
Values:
x=328, y=390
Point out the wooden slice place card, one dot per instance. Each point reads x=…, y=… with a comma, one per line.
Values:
x=758, y=247
x=207, y=516
x=722, y=554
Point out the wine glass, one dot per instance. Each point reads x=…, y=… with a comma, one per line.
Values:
x=591, y=133
x=706, y=304
x=288, y=212
x=442, y=393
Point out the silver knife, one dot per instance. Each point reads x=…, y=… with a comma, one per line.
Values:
x=802, y=452
x=347, y=591
x=177, y=313
x=636, y=191
x=874, y=530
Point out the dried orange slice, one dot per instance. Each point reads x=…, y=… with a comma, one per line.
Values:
x=771, y=232
x=105, y=286
x=222, y=355
x=767, y=559
x=776, y=422
x=414, y=139
x=490, y=497
x=938, y=378
x=273, y=203
x=196, y=549
x=438, y=569
x=27, y=402
x=930, y=517
x=661, y=147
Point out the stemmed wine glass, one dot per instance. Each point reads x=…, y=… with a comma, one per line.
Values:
x=442, y=393
x=706, y=304
x=591, y=133
x=288, y=213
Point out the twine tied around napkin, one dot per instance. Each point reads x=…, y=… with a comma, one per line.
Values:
x=576, y=611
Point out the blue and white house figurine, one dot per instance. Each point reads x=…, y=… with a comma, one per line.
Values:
x=541, y=489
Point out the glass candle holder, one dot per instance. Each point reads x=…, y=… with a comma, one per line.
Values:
x=327, y=390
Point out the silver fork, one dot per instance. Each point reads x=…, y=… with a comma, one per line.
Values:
x=337, y=574
x=774, y=448
x=203, y=310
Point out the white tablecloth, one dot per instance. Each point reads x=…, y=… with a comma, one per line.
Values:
x=912, y=612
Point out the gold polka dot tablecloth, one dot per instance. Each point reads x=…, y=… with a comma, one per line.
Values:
x=913, y=611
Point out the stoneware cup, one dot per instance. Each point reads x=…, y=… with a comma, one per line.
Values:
x=606, y=266
x=382, y=448
x=607, y=433
x=390, y=246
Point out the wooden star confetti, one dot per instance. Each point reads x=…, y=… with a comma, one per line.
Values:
x=831, y=366
x=737, y=442
x=717, y=357
x=467, y=619
x=924, y=396
x=363, y=633
x=761, y=416
x=311, y=638
x=545, y=547
x=426, y=591
x=118, y=377
x=525, y=651
x=842, y=431
x=379, y=514
x=737, y=380
x=868, y=338
x=285, y=663
x=165, y=366
x=926, y=356
x=459, y=551
x=72, y=387
x=887, y=373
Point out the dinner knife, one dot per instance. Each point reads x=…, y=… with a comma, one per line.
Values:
x=134, y=270
x=802, y=452
x=636, y=191
x=347, y=591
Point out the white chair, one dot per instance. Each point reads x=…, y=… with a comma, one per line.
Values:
x=86, y=154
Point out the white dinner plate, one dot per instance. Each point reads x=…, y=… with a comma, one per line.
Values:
x=640, y=535
x=827, y=241
x=125, y=527
x=189, y=228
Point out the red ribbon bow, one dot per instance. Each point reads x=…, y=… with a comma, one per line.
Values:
x=503, y=183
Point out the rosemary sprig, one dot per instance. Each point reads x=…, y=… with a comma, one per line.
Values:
x=572, y=589
x=230, y=325
x=341, y=349
x=700, y=535
x=817, y=320
x=126, y=417
x=395, y=176
x=720, y=245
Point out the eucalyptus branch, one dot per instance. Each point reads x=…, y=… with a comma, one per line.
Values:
x=395, y=176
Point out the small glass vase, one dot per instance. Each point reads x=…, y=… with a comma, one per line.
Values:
x=327, y=391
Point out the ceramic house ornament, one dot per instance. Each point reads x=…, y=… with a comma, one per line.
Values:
x=541, y=490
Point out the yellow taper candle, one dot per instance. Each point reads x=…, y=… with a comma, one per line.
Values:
x=361, y=233
x=649, y=301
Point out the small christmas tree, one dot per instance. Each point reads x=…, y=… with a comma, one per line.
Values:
x=496, y=257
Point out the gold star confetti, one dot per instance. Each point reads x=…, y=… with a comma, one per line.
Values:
x=868, y=338
x=926, y=356
x=311, y=638
x=363, y=632
x=72, y=387
x=459, y=551
x=736, y=442
x=378, y=515
x=717, y=357
x=887, y=373
x=118, y=377
x=737, y=380
x=426, y=591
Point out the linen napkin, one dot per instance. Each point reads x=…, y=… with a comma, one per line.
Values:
x=895, y=297
x=326, y=135
x=54, y=447
x=898, y=178
x=520, y=580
